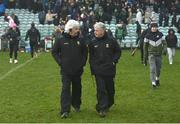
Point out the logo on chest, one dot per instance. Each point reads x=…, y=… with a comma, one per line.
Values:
x=107, y=45
x=66, y=43
x=78, y=43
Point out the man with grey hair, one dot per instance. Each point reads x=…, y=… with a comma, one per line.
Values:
x=70, y=53
x=104, y=53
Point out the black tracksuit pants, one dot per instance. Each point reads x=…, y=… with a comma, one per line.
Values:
x=105, y=92
x=142, y=52
x=33, y=46
x=70, y=97
x=13, y=49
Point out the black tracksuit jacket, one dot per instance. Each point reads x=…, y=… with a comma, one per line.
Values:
x=13, y=36
x=33, y=34
x=70, y=53
x=104, y=53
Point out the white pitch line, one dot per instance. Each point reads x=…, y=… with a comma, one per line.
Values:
x=16, y=68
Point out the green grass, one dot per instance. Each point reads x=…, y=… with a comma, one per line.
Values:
x=31, y=93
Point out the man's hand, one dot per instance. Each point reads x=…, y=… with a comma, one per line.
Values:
x=164, y=52
x=145, y=62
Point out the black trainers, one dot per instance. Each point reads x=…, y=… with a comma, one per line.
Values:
x=107, y=109
x=157, y=83
x=102, y=114
x=77, y=109
x=64, y=115
x=154, y=86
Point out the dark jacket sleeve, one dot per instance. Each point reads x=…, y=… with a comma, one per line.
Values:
x=117, y=51
x=56, y=51
x=84, y=52
x=39, y=35
x=91, y=53
x=27, y=35
x=176, y=40
x=19, y=33
x=145, y=49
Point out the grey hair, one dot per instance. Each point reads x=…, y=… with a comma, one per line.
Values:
x=71, y=24
x=100, y=25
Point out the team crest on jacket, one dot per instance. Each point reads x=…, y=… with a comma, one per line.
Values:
x=95, y=46
x=78, y=42
x=157, y=36
x=107, y=45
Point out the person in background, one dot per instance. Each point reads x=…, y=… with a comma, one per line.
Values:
x=70, y=53
x=140, y=43
x=139, y=16
x=15, y=18
x=34, y=37
x=13, y=35
x=104, y=53
x=138, y=29
x=42, y=17
x=171, y=40
x=49, y=17
x=154, y=46
x=119, y=33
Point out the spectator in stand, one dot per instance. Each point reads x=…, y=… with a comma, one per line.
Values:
x=10, y=20
x=49, y=17
x=73, y=9
x=140, y=42
x=84, y=20
x=100, y=15
x=119, y=33
x=138, y=29
x=139, y=16
x=124, y=15
x=15, y=18
x=174, y=21
x=57, y=6
x=2, y=8
x=108, y=10
x=57, y=33
x=56, y=20
x=91, y=19
x=129, y=15
x=12, y=4
x=178, y=26
x=164, y=13
x=70, y=53
x=64, y=10
x=42, y=17
x=154, y=17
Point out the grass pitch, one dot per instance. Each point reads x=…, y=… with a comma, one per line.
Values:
x=30, y=93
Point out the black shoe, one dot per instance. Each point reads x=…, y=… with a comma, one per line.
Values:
x=64, y=115
x=77, y=109
x=102, y=114
x=107, y=109
x=157, y=83
x=154, y=86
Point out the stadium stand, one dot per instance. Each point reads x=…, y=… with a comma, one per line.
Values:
x=26, y=18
